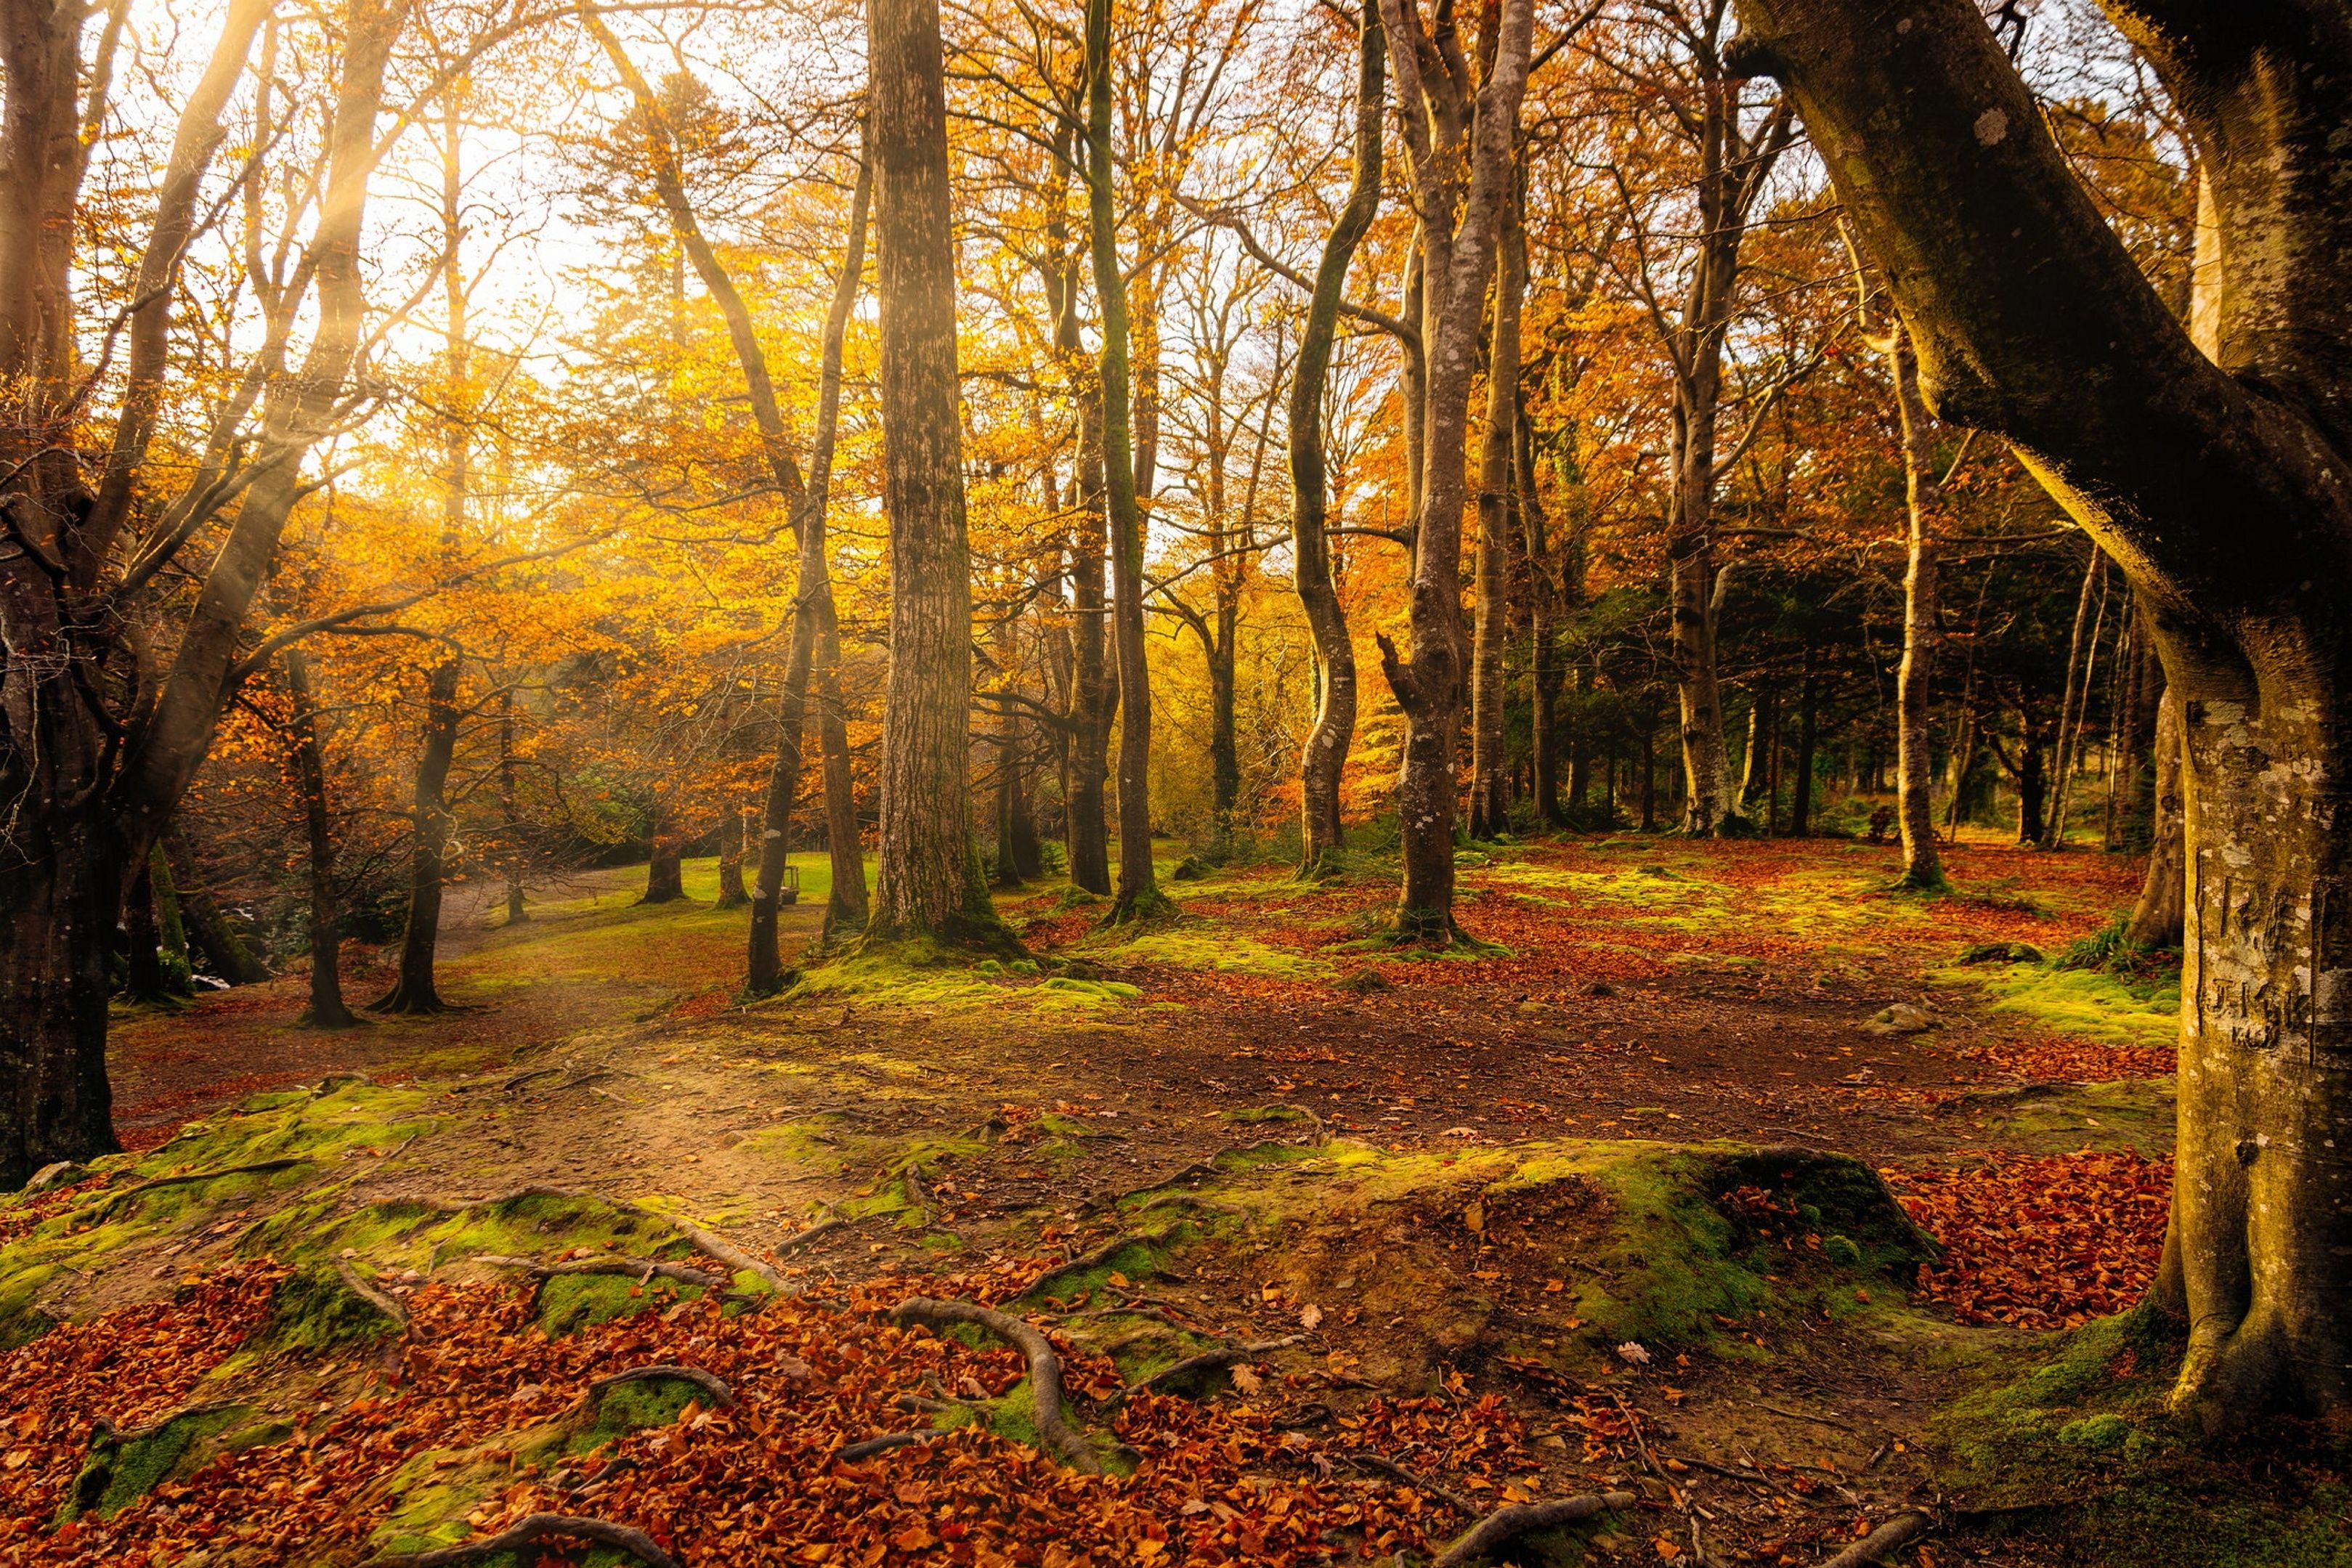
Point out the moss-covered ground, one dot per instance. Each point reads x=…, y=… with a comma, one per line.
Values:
x=1612, y=1169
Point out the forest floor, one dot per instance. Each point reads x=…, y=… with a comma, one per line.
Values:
x=1601, y=1205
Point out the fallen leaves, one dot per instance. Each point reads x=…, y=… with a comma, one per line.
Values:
x=2039, y=1242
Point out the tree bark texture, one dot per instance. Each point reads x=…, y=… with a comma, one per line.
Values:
x=2156, y=920
x=1460, y=137
x=1324, y=758
x=1490, y=795
x=928, y=884
x=2210, y=468
x=209, y=932
x=415, y=991
x=327, y=1008
x=1915, y=806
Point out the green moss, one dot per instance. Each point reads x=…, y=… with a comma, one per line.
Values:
x=2054, y=1118
x=313, y=1312
x=21, y=1322
x=2084, y=1002
x=1215, y=950
x=122, y=1469
x=625, y=1407
x=568, y=1303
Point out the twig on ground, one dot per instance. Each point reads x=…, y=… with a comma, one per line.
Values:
x=1803, y=1415
x=537, y=1528
x=1507, y=1524
x=642, y=1269
x=721, y=1396
x=1045, y=1369
x=1898, y=1532
x=883, y=1445
x=1397, y=1472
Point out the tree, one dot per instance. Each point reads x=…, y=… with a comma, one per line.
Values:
x=1460, y=131
x=2205, y=461
x=928, y=882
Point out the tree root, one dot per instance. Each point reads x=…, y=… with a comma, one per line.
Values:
x=1208, y=1168
x=537, y=1528
x=1207, y=1361
x=640, y=1268
x=720, y=1248
x=1397, y=1472
x=1045, y=1369
x=113, y=1201
x=1507, y=1524
x=383, y=1301
x=831, y=1222
x=721, y=1396
x=1898, y=1532
x=1094, y=1259
x=883, y=1445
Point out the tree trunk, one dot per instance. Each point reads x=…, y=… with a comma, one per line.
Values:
x=415, y=991
x=2053, y=828
x=326, y=1009
x=2033, y=780
x=929, y=884
x=1139, y=897
x=142, y=960
x=1460, y=148
x=1650, y=774
x=665, y=866
x=1801, y=803
x=1497, y=519
x=1915, y=806
x=2208, y=463
x=2156, y=920
x=1545, y=595
x=1325, y=757
x=732, y=895
x=511, y=815
x=814, y=661
x=209, y=932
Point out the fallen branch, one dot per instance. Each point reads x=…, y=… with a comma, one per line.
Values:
x=883, y=1445
x=721, y=1248
x=1207, y=1361
x=721, y=1396
x=641, y=1269
x=1898, y=1532
x=1507, y=1524
x=1397, y=1472
x=537, y=1527
x=1045, y=1369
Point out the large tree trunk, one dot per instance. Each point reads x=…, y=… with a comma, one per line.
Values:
x=1139, y=897
x=1547, y=591
x=665, y=861
x=415, y=991
x=1498, y=515
x=929, y=883
x=732, y=894
x=2209, y=467
x=327, y=1010
x=1460, y=147
x=1325, y=757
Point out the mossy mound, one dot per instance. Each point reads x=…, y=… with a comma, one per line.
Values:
x=2088, y=1003
x=2078, y=1455
x=124, y=1467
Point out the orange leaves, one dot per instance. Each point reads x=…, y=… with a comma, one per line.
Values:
x=2040, y=1243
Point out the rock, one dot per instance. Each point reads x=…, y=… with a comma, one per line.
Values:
x=1900, y=1018
x=2002, y=953
x=1362, y=983
x=1600, y=989
x=61, y=1173
x=1192, y=868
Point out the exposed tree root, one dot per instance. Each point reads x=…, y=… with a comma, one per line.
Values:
x=1207, y=1361
x=1080, y=1264
x=854, y=1452
x=724, y=1250
x=1507, y=1524
x=113, y=1201
x=537, y=1528
x=1397, y=1472
x=831, y=1222
x=1045, y=1369
x=383, y=1301
x=639, y=1269
x=721, y=1396
x=1896, y=1533
x=1208, y=1168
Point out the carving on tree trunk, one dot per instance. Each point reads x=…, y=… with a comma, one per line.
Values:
x=2210, y=471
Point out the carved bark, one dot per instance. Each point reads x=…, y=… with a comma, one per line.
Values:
x=2215, y=480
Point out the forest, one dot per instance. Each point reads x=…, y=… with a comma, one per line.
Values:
x=1074, y=783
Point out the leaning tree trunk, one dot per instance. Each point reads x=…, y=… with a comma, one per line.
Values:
x=1325, y=757
x=929, y=883
x=327, y=1010
x=414, y=991
x=2209, y=464
x=1460, y=137
x=1491, y=562
x=1139, y=897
